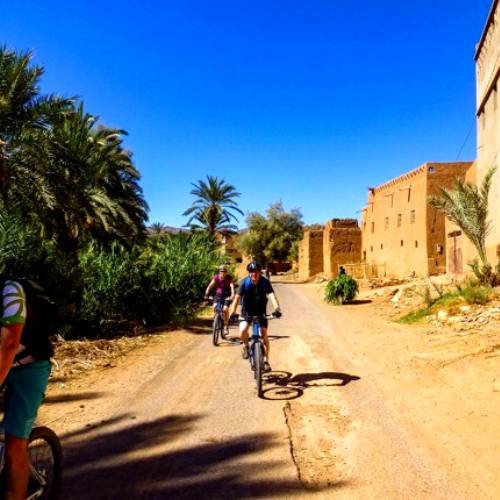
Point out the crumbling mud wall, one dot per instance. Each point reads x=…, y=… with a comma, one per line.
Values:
x=341, y=245
x=311, y=254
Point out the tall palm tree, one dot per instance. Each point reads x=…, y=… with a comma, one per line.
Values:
x=84, y=184
x=467, y=207
x=214, y=206
x=22, y=108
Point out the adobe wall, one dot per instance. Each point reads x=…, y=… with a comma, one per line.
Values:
x=311, y=254
x=488, y=120
x=400, y=231
x=341, y=244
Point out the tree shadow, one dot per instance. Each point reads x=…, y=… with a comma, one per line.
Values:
x=130, y=463
x=357, y=302
x=81, y=396
x=287, y=386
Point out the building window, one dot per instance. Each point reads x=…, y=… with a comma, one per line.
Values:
x=439, y=249
x=364, y=255
x=373, y=227
x=431, y=170
x=412, y=217
x=387, y=223
x=400, y=217
x=401, y=242
x=381, y=246
x=416, y=244
x=364, y=226
x=371, y=249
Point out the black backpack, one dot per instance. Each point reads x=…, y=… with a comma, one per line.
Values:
x=41, y=322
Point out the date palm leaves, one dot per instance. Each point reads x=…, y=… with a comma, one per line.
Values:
x=214, y=207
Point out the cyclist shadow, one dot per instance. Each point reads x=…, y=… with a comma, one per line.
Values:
x=287, y=386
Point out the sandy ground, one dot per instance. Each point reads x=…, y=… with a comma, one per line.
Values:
x=356, y=407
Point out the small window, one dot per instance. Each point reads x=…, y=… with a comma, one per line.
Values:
x=416, y=244
x=400, y=217
x=439, y=249
x=412, y=217
x=401, y=242
x=371, y=249
x=387, y=223
x=431, y=170
x=364, y=255
x=373, y=227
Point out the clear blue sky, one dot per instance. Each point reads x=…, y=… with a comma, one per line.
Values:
x=309, y=101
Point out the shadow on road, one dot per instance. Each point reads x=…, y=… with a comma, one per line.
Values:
x=358, y=302
x=63, y=398
x=130, y=462
x=288, y=386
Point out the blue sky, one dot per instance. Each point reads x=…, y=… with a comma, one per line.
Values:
x=307, y=102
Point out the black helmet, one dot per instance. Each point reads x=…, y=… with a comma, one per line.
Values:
x=254, y=266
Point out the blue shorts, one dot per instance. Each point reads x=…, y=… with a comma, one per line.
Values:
x=24, y=391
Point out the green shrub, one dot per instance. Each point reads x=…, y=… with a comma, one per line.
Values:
x=159, y=284
x=341, y=289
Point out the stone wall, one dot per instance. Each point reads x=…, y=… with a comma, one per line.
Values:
x=341, y=245
x=311, y=254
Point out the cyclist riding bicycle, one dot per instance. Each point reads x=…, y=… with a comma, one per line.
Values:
x=253, y=292
x=224, y=291
x=24, y=368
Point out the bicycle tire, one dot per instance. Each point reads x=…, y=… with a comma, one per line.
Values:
x=46, y=462
x=259, y=366
x=216, y=329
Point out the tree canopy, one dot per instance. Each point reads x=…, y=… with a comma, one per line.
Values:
x=273, y=237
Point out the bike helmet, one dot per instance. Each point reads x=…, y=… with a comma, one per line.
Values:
x=254, y=266
x=222, y=267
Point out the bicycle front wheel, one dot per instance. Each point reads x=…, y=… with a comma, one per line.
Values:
x=45, y=456
x=216, y=328
x=259, y=367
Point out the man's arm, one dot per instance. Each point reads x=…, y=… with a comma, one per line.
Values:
x=234, y=304
x=9, y=343
x=274, y=300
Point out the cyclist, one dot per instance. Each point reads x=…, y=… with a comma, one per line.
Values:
x=224, y=290
x=25, y=369
x=253, y=292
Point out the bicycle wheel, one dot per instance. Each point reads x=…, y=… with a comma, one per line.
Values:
x=216, y=328
x=259, y=366
x=45, y=455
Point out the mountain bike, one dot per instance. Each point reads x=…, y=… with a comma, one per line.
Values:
x=257, y=349
x=45, y=456
x=218, y=322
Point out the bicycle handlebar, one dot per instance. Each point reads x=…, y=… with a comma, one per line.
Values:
x=252, y=318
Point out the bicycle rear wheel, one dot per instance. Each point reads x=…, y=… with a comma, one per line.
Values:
x=45, y=455
x=258, y=358
x=217, y=328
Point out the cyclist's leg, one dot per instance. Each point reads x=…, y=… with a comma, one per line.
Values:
x=265, y=338
x=25, y=389
x=244, y=327
x=226, y=313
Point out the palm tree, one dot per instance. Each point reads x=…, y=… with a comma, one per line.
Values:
x=22, y=108
x=84, y=183
x=467, y=207
x=214, y=206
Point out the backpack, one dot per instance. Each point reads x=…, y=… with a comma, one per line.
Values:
x=41, y=321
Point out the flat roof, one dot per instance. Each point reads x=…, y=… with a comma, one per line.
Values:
x=489, y=21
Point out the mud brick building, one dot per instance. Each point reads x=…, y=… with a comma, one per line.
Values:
x=487, y=60
x=311, y=253
x=341, y=245
x=401, y=234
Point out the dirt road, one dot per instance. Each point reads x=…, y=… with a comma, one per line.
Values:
x=350, y=411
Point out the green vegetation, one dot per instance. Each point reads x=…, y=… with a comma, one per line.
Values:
x=471, y=292
x=467, y=207
x=72, y=215
x=341, y=289
x=212, y=210
x=274, y=237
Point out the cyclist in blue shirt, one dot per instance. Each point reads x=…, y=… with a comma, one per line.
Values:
x=253, y=293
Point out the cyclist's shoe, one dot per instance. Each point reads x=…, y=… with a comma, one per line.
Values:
x=225, y=332
x=267, y=367
x=244, y=352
